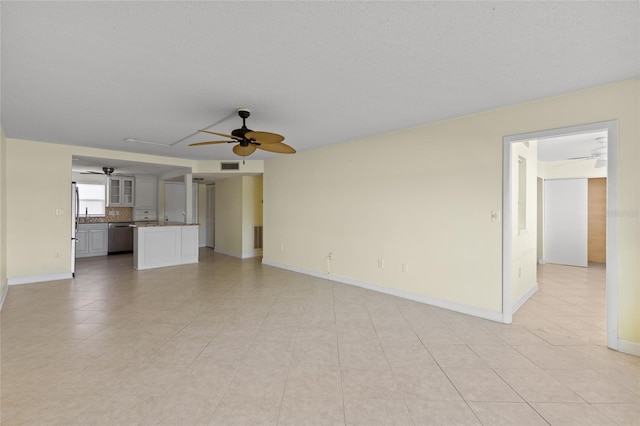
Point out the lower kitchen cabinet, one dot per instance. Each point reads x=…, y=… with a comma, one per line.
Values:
x=92, y=239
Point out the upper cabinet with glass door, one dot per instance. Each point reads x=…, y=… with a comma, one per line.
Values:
x=121, y=191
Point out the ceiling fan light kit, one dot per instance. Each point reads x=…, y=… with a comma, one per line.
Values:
x=249, y=140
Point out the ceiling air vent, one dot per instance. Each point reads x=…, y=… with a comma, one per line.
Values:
x=229, y=166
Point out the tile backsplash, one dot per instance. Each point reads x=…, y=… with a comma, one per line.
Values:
x=113, y=214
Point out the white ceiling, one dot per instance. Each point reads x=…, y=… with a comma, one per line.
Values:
x=95, y=73
x=569, y=146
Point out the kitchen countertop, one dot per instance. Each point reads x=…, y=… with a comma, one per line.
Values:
x=154, y=224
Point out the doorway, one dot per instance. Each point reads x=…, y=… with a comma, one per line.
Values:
x=510, y=214
x=211, y=216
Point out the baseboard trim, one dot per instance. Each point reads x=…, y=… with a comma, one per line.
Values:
x=248, y=255
x=5, y=290
x=518, y=303
x=39, y=278
x=227, y=252
x=629, y=347
x=440, y=303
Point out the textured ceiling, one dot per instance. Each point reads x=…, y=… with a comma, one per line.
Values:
x=95, y=73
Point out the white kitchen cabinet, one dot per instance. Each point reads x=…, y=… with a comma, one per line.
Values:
x=120, y=191
x=82, y=242
x=92, y=239
x=146, y=199
x=145, y=214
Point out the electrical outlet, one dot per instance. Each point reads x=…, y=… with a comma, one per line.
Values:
x=405, y=267
x=59, y=212
x=381, y=263
x=281, y=246
x=56, y=255
x=330, y=256
x=519, y=272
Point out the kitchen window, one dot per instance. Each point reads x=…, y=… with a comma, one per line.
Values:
x=92, y=198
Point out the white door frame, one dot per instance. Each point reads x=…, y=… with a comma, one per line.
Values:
x=612, y=225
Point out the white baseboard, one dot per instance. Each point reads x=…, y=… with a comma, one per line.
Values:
x=227, y=252
x=5, y=290
x=452, y=306
x=39, y=278
x=521, y=301
x=247, y=255
x=628, y=347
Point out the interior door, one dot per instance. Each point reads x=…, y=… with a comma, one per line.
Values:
x=597, y=245
x=175, y=200
x=565, y=219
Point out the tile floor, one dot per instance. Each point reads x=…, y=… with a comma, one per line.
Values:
x=233, y=342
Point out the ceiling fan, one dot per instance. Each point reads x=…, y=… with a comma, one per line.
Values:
x=248, y=140
x=107, y=171
x=599, y=154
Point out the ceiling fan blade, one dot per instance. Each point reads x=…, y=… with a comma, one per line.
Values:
x=264, y=137
x=581, y=158
x=221, y=134
x=91, y=173
x=243, y=151
x=280, y=148
x=210, y=143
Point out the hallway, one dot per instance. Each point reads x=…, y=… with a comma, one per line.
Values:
x=570, y=306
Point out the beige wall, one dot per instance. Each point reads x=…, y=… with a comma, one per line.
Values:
x=228, y=224
x=424, y=197
x=202, y=215
x=570, y=170
x=238, y=208
x=38, y=183
x=251, y=212
x=3, y=212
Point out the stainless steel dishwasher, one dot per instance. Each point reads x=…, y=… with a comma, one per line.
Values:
x=120, y=237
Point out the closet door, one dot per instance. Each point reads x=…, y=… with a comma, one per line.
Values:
x=565, y=217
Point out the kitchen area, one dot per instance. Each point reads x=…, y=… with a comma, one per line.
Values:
x=110, y=207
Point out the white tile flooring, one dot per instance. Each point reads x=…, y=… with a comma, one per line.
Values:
x=233, y=342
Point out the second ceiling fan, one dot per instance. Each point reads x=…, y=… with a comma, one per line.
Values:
x=248, y=140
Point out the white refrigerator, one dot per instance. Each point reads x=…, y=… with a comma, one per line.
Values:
x=75, y=211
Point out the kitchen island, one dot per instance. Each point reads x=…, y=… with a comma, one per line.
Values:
x=155, y=246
